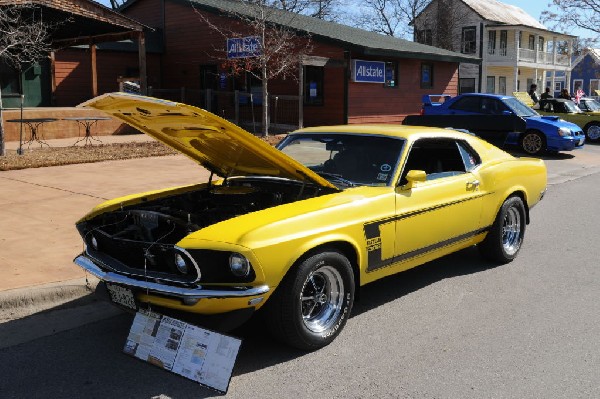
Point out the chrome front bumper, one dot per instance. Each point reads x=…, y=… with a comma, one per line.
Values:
x=179, y=292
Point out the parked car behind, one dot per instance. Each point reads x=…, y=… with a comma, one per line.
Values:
x=588, y=121
x=542, y=133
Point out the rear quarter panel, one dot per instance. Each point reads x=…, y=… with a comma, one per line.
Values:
x=526, y=177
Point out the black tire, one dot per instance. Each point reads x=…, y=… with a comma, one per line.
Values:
x=503, y=241
x=533, y=142
x=592, y=131
x=311, y=305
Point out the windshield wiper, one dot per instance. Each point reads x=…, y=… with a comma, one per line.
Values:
x=337, y=178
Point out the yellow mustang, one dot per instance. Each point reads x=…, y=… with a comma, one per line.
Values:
x=296, y=230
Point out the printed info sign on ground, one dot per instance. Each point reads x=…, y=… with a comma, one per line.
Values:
x=201, y=355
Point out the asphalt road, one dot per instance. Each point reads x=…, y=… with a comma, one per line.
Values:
x=454, y=328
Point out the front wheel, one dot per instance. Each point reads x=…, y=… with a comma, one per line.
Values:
x=505, y=237
x=592, y=131
x=533, y=143
x=313, y=302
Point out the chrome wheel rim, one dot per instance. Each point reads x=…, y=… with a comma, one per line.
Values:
x=593, y=132
x=532, y=143
x=321, y=299
x=511, y=231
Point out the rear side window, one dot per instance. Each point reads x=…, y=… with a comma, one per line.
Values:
x=469, y=156
x=467, y=104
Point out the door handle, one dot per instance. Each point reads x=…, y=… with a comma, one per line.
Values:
x=473, y=185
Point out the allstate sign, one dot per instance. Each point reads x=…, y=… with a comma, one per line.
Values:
x=368, y=71
x=243, y=47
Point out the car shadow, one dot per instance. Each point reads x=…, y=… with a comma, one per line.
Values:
x=260, y=350
x=516, y=152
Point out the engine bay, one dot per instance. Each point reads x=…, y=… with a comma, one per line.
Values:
x=143, y=236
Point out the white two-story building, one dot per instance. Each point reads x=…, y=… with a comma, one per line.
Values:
x=516, y=50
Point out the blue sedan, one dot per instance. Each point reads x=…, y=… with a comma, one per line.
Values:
x=542, y=132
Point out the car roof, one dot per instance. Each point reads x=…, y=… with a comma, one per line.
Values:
x=498, y=96
x=410, y=133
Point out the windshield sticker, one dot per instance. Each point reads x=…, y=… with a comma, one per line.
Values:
x=385, y=167
x=382, y=176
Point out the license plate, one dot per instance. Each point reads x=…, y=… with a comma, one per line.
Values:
x=121, y=295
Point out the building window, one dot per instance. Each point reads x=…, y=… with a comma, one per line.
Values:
x=492, y=42
x=426, y=76
x=424, y=36
x=502, y=85
x=9, y=79
x=503, y=42
x=466, y=85
x=594, y=87
x=313, y=85
x=469, y=40
x=491, y=84
x=391, y=74
x=541, y=44
x=531, y=44
x=558, y=86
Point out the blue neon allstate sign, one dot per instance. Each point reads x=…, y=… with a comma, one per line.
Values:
x=243, y=47
x=368, y=71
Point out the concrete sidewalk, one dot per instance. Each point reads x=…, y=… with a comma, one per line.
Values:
x=39, y=208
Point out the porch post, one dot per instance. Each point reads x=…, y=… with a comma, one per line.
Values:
x=94, y=70
x=142, y=63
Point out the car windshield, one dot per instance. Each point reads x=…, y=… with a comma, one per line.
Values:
x=572, y=107
x=346, y=160
x=590, y=105
x=519, y=108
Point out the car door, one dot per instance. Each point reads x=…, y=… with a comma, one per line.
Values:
x=442, y=211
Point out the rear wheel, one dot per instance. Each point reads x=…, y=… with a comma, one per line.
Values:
x=313, y=302
x=592, y=131
x=533, y=142
x=503, y=242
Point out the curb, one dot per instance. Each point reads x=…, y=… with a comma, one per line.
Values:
x=22, y=302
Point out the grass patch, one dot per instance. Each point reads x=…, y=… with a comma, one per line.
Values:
x=56, y=156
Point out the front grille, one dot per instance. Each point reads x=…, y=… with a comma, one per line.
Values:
x=140, y=258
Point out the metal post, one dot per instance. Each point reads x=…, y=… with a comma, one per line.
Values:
x=20, y=150
x=301, y=96
x=276, y=99
x=253, y=119
x=236, y=97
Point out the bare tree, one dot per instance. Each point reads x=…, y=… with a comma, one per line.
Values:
x=389, y=17
x=281, y=47
x=24, y=38
x=566, y=15
x=322, y=9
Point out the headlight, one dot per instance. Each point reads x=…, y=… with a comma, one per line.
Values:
x=239, y=265
x=563, y=131
x=94, y=243
x=181, y=264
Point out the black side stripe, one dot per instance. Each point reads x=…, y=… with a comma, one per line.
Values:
x=376, y=264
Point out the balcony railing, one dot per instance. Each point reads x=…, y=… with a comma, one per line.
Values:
x=527, y=55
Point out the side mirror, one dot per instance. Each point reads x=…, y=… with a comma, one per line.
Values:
x=413, y=177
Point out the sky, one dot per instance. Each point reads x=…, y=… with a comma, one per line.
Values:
x=531, y=7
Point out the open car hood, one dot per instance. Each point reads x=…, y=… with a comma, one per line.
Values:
x=216, y=144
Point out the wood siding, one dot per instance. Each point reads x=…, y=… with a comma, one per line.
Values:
x=73, y=73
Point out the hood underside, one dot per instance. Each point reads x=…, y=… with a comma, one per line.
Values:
x=218, y=145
